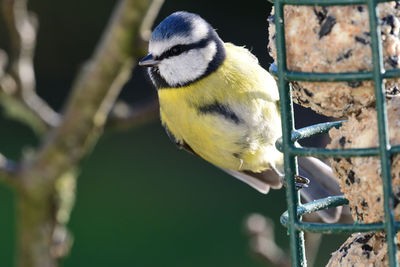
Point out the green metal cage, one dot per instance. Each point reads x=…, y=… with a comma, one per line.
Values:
x=292, y=217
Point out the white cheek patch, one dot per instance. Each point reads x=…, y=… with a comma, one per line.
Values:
x=188, y=66
x=199, y=32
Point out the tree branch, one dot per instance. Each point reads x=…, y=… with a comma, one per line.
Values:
x=95, y=90
x=18, y=83
x=48, y=179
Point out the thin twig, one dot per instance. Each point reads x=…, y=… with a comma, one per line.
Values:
x=19, y=81
x=124, y=116
x=147, y=23
x=262, y=240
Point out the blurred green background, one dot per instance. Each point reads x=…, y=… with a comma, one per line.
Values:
x=141, y=201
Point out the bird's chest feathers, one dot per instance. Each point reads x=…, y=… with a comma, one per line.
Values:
x=200, y=122
x=222, y=128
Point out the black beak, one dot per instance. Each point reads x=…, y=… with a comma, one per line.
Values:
x=148, y=61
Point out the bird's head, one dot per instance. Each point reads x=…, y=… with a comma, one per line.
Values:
x=183, y=48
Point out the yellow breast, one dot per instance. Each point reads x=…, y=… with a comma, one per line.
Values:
x=230, y=117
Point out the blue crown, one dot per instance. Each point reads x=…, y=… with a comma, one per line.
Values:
x=178, y=23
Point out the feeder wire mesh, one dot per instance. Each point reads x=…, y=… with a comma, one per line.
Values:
x=292, y=217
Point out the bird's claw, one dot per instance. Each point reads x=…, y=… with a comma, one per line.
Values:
x=301, y=182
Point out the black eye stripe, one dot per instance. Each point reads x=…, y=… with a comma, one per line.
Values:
x=179, y=49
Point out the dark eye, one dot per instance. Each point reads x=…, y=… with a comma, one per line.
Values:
x=176, y=50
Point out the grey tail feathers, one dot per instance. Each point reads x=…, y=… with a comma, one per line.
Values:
x=262, y=181
x=322, y=183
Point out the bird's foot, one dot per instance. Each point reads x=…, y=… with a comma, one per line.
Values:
x=301, y=182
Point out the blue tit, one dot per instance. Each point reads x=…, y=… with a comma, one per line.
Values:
x=217, y=102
